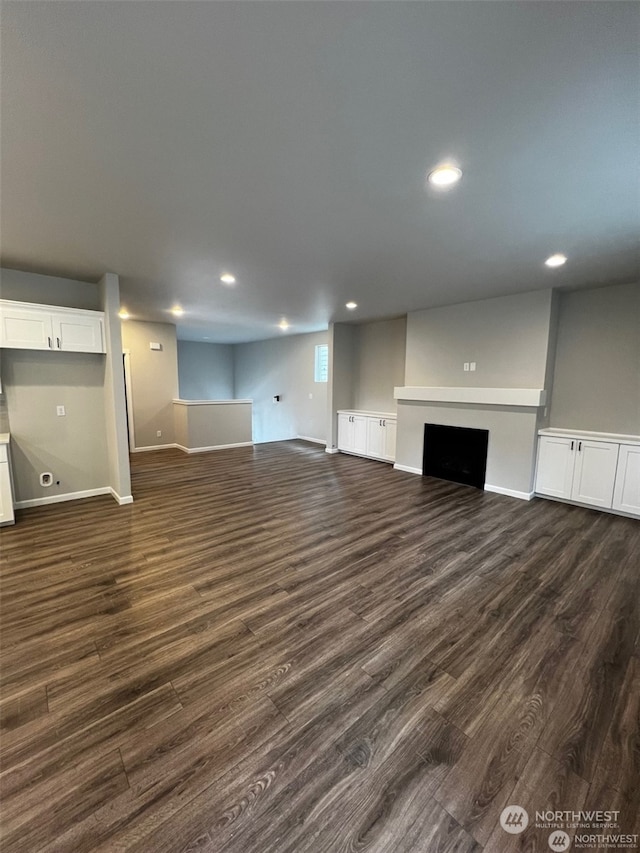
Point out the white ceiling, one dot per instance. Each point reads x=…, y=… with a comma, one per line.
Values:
x=288, y=142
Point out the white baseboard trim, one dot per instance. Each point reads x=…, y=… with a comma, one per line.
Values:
x=121, y=499
x=69, y=496
x=213, y=447
x=153, y=447
x=407, y=469
x=510, y=493
x=313, y=440
x=331, y=450
x=610, y=510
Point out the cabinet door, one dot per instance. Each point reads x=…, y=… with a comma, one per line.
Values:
x=375, y=437
x=554, y=475
x=345, y=432
x=25, y=328
x=360, y=423
x=6, y=498
x=595, y=473
x=78, y=333
x=626, y=494
x=390, y=429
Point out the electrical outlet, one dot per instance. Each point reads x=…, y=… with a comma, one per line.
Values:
x=60, y=411
x=310, y=395
x=159, y=433
x=472, y=365
x=466, y=366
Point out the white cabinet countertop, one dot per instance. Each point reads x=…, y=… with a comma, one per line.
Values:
x=585, y=435
x=367, y=414
x=4, y=437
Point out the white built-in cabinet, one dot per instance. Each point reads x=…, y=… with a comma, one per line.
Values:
x=371, y=434
x=6, y=492
x=595, y=469
x=24, y=325
x=352, y=433
x=626, y=493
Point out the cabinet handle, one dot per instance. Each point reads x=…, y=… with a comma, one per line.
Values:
x=384, y=423
x=50, y=344
x=579, y=446
x=58, y=342
x=572, y=443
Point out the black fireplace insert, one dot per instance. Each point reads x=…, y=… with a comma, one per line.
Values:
x=458, y=454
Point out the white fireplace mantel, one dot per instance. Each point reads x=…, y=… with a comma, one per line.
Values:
x=527, y=397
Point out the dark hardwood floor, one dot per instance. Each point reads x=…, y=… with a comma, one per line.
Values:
x=277, y=650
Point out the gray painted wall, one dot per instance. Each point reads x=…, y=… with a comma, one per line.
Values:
x=378, y=363
x=5, y=425
x=511, y=339
x=205, y=371
x=283, y=366
x=512, y=438
x=597, y=368
x=79, y=448
x=115, y=412
x=73, y=448
x=507, y=337
x=49, y=290
x=154, y=380
x=213, y=426
x=340, y=393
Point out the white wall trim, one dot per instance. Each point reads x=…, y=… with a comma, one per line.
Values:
x=568, y=502
x=121, y=499
x=69, y=496
x=331, y=450
x=527, y=397
x=309, y=438
x=154, y=447
x=511, y=493
x=213, y=447
x=128, y=391
x=407, y=469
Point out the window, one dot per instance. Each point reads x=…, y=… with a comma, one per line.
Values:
x=321, y=372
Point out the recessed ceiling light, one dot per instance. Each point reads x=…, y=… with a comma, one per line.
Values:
x=283, y=325
x=227, y=278
x=556, y=260
x=444, y=176
x=351, y=305
x=177, y=311
x=123, y=314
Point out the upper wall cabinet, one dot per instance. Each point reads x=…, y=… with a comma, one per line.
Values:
x=48, y=327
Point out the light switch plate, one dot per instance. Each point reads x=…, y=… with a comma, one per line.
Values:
x=60, y=411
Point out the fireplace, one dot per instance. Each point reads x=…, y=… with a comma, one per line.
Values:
x=458, y=454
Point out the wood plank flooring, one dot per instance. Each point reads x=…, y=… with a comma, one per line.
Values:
x=277, y=650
